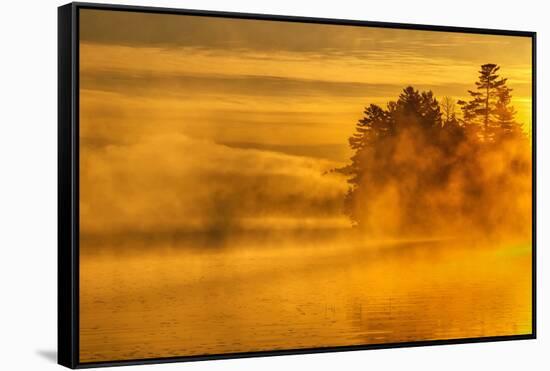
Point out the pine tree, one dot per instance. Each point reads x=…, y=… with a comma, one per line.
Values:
x=374, y=125
x=480, y=109
x=370, y=134
x=376, y=139
x=416, y=108
x=430, y=111
x=505, y=114
x=409, y=104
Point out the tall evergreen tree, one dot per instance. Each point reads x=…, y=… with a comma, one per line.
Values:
x=376, y=140
x=417, y=108
x=430, y=110
x=505, y=113
x=409, y=102
x=481, y=108
x=373, y=126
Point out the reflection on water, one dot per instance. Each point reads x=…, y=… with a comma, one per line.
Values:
x=171, y=300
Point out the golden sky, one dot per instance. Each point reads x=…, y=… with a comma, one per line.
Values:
x=295, y=83
x=178, y=95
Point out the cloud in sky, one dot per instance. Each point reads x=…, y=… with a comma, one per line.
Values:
x=212, y=33
x=326, y=72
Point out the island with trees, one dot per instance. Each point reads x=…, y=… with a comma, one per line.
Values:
x=429, y=167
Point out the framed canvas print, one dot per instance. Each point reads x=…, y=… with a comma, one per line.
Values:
x=235, y=185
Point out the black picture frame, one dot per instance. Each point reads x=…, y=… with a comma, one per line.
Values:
x=68, y=181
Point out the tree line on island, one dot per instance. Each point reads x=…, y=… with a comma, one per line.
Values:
x=418, y=167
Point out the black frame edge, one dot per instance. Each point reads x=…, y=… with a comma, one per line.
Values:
x=304, y=351
x=300, y=19
x=534, y=183
x=68, y=183
x=67, y=289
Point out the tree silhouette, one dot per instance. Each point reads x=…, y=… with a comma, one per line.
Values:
x=480, y=109
x=505, y=114
x=375, y=142
x=416, y=167
x=417, y=108
x=430, y=110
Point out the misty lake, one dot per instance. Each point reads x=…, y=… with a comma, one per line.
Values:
x=292, y=292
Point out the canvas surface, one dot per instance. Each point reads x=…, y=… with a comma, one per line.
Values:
x=256, y=185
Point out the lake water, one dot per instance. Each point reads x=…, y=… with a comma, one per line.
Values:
x=168, y=299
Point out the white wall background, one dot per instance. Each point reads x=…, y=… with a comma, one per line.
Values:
x=28, y=177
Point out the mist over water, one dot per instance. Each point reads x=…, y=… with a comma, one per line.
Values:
x=292, y=292
x=243, y=249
